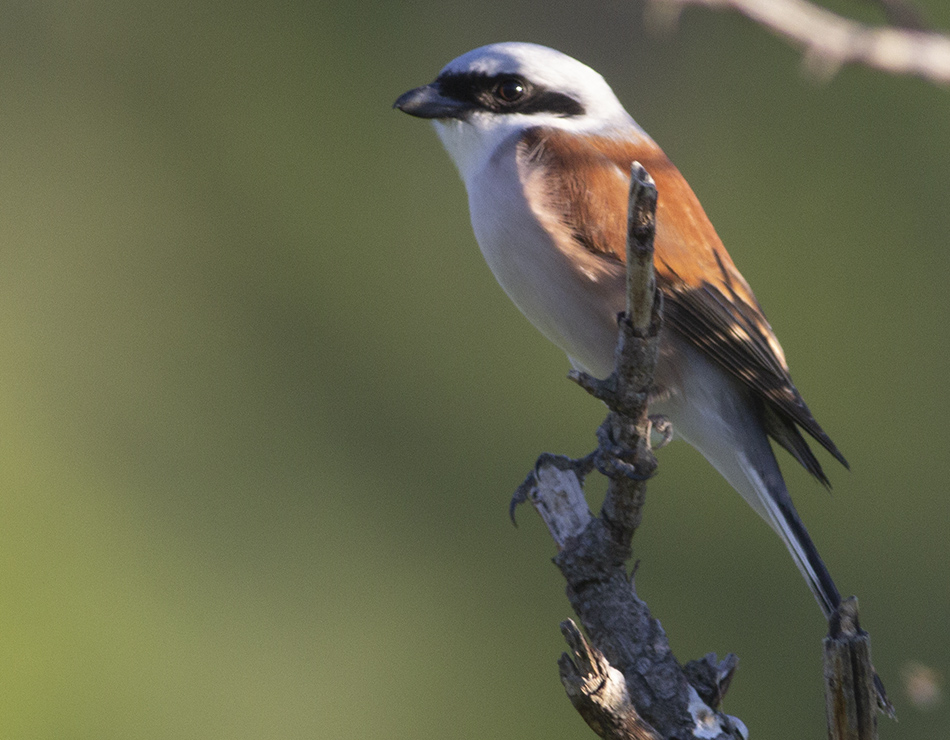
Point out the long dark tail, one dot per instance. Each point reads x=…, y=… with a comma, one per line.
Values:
x=806, y=556
x=764, y=488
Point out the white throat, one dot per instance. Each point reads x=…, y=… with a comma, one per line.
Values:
x=473, y=142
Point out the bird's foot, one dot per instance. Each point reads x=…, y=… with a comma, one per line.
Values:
x=611, y=458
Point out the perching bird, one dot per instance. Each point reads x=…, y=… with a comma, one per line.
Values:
x=545, y=148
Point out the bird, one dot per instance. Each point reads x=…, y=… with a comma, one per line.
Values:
x=544, y=148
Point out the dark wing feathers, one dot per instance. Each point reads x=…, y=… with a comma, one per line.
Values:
x=725, y=331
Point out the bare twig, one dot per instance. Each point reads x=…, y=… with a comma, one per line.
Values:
x=830, y=41
x=641, y=226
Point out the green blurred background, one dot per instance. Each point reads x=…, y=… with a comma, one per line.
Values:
x=263, y=405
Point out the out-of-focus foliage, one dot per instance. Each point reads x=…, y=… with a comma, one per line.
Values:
x=263, y=405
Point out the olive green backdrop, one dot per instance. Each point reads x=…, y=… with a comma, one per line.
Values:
x=262, y=405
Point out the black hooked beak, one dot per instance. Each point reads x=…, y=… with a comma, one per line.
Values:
x=428, y=102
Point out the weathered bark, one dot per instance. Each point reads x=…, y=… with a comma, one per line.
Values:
x=853, y=692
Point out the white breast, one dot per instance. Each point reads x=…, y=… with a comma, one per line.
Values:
x=573, y=301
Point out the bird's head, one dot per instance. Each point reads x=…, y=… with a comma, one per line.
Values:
x=491, y=93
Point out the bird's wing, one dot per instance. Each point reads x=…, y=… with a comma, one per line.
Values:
x=706, y=299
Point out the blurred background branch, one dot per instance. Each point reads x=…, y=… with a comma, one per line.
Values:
x=830, y=41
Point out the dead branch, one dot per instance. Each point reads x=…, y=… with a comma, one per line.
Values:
x=853, y=691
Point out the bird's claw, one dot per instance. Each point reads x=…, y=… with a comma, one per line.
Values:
x=609, y=458
x=663, y=427
x=520, y=496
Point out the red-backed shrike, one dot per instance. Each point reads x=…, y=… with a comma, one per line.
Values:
x=545, y=149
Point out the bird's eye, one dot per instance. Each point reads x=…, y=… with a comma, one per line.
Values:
x=510, y=90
